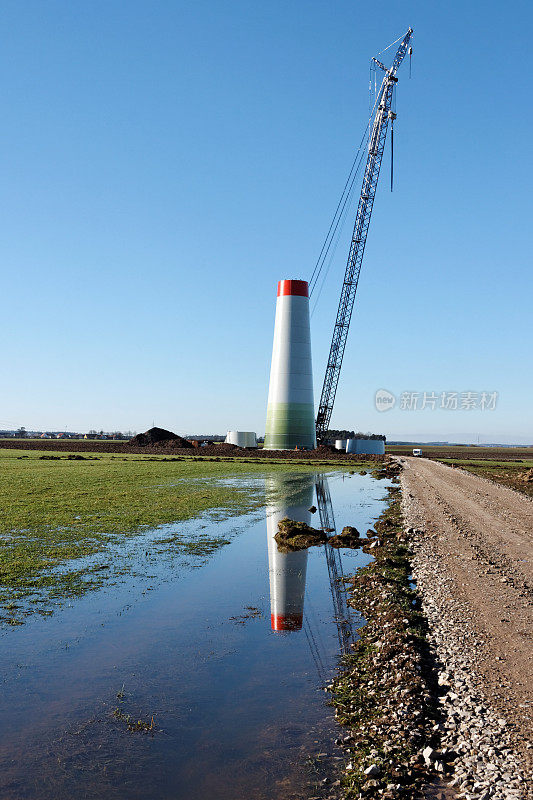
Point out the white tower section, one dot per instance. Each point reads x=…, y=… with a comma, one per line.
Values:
x=291, y=413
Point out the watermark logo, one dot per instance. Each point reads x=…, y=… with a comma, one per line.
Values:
x=384, y=400
x=443, y=401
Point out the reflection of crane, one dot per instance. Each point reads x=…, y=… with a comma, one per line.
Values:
x=333, y=559
x=376, y=147
x=291, y=497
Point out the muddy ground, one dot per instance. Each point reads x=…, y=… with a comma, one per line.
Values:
x=222, y=450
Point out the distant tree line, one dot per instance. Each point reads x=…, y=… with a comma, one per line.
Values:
x=331, y=435
x=22, y=433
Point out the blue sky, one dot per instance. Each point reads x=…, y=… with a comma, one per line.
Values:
x=164, y=164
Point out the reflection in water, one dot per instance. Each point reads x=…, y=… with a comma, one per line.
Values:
x=291, y=496
x=341, y=608
x=238, y=706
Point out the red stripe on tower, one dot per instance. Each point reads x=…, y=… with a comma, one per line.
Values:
x=286, y=622
x=300, y=288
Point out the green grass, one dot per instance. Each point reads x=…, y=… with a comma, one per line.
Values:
x=56, y=511
x=470, y=452
x=489, y=464
x=513, y=474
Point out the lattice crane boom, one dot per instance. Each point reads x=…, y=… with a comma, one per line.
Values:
x=376, y=149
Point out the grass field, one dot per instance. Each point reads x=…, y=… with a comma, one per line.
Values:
x=58, y=511
x=463, y=452
x=515, y=474
x=510, y=466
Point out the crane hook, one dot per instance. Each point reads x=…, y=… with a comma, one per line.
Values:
x=410, y=51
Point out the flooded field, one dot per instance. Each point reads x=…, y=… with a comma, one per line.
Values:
x=192, y=681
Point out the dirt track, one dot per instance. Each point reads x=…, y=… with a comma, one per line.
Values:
x=482, y=536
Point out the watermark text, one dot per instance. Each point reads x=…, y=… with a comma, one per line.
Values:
x=433, y=401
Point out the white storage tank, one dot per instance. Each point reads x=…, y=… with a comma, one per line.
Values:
x=368, y=447
x=242, y=438
x=340, y=444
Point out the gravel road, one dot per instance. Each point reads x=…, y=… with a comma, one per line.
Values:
x=472, y=541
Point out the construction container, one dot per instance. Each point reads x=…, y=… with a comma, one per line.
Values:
x=290, y=420
x=287, y=571
x=373, y=447
x=340, y=444
x=242, y=438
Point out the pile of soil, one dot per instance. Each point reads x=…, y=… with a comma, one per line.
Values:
x=292, y=536
x=348, y=537
x=158, y=437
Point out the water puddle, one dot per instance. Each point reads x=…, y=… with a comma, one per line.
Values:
x=224, y=665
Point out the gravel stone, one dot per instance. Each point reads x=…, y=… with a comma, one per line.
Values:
x=481, y=758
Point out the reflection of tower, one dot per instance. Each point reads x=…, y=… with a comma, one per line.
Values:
x=290, y=415
x=288, y=496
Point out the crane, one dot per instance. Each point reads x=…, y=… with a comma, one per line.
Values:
x=376, y=146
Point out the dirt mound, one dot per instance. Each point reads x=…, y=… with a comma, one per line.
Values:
x=158, y=437
x=293, y=536
x=224, y=448
x=348, y=537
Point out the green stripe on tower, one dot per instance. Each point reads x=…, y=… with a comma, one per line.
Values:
x=290, y=425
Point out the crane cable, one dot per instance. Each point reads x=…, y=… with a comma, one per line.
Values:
x=342, y=206
x=334, y=222
x=339, y=217
x=390, y=45
x=340, y=225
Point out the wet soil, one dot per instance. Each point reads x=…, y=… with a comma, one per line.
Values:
x=386, y=699
x=348, y=537
x=293, y=536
